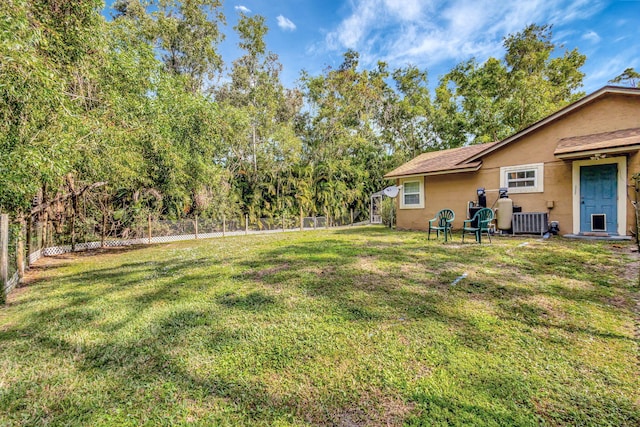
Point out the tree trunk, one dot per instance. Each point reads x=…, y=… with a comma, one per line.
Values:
x=255, y=150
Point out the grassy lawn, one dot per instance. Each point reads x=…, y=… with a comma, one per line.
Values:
x=348, y=327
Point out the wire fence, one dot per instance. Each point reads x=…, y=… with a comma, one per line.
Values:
x=22, y=243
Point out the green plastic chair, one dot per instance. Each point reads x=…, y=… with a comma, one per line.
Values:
x=482, y=219
x=442, y=222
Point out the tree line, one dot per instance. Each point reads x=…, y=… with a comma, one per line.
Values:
x=114, y=120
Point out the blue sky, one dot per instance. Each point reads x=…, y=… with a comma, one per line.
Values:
x=437, y=34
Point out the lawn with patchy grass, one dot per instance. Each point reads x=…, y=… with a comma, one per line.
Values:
x=349, y=327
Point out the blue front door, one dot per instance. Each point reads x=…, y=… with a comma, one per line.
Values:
x=599, y=198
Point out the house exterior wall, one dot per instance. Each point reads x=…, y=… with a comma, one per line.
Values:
x=609, y=113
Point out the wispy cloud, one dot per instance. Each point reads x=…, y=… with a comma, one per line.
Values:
x=406, y=10
x=285, y=23
x=606, y=72
x=428, y=32
x=600, y=72
x=592, y=36
x=243, y=9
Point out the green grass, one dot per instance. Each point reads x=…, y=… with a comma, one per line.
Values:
x=352, y=327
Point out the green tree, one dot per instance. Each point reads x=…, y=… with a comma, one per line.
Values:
x=490, y=101
x=42, y=93
x=343, y=137
x=407, y=119
x=186, y=33
x=629, y=77
x=261, y=143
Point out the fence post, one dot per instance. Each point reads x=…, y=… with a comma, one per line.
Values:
x=73, y=232
x=283, y=229
x=196, y=227
x=4, y=256
x=29, y=238
x=315, y=221
x=20, y=248
x=224, y=224
x=351, y=216
x=45, y=229
x=103, y=231
x=301, y=220
x=39, y=236
x=149, y=227
x=246, y=224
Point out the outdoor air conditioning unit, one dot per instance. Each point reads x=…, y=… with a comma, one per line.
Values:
x=530, y=222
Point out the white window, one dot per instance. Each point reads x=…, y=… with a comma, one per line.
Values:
x=412, y=194
x=523, y=178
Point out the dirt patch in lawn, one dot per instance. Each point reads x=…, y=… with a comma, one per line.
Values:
x=368, y=264
x=269, y=271
x=374, y=408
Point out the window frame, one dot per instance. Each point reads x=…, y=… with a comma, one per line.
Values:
x=538, y=178
x=420, y=204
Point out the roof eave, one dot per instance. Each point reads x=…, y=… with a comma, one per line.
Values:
x=596, y=151
x=456, y=170
x=473, y=168
x=413, y=175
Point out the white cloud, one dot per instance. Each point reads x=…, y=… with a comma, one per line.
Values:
x=598, y=73
x=242, y=9
x=575, y=10
x=406, y=10
x=285, y=23
x=352, y=30
x=592, y=36
x=428, y=32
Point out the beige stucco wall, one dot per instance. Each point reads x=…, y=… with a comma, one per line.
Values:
x=609, y=113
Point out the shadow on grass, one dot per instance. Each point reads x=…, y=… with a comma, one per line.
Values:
x=333, y=272
x=341, y=274
x=253, y=301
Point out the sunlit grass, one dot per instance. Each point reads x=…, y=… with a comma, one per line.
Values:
x=353, y=327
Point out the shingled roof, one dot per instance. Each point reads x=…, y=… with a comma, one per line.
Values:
x=445, y=161
x=619, y=139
